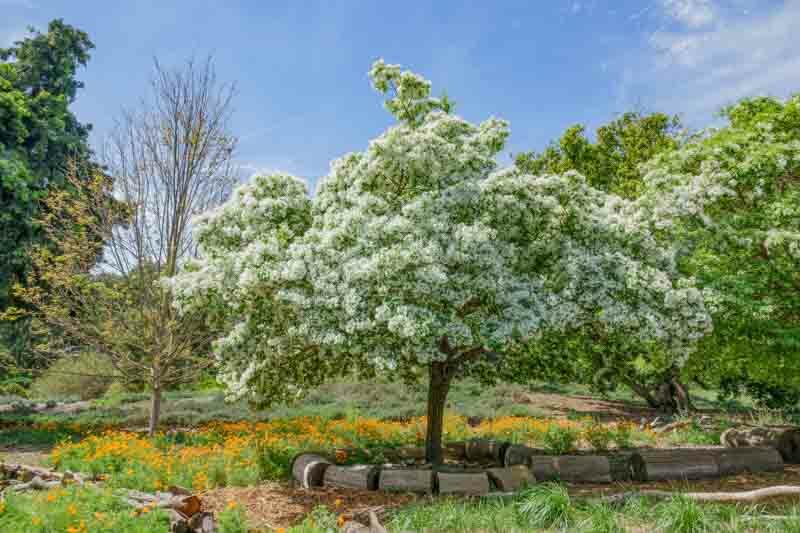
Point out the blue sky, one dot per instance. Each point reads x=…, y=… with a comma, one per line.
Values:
x=300, y=67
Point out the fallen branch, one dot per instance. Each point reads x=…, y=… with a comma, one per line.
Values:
x=749, y=496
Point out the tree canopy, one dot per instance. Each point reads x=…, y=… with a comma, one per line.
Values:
x=39, y=135
x=420, y=257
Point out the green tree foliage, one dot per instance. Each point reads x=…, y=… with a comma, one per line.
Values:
x=611, y=163
x=742, y=242
x=38, y=136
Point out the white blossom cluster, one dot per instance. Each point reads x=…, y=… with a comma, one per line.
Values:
x=421, y=238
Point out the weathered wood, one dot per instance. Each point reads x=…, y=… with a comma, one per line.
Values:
x=543, y=467
x=583, y=468
x=511, y=478
x=456, y=451
x=485, y=450
x=474, y=484
x=517, y=454
x=364, y=477
x=309, y=469
x=679, y=464
x=749, y=496
x=785, y=439
x=406, y=480
x=626, y=466
x=732, y=461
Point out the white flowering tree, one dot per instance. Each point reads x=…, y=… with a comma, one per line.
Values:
x=419, y=257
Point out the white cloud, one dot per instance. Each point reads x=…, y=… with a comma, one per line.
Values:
x=692, y=13
x=700, y=68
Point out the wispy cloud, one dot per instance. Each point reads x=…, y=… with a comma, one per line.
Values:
x=714, y=54
x=692, y=13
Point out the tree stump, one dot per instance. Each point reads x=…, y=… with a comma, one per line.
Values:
x=785, y=439
x=626, y=466
x=511, y=478
x=682, y=464
x=309, y=469
x=733, y=461
x=475, y=484
x=364, y=477
x=398, y=480
x=484, y=450
x=583, y=468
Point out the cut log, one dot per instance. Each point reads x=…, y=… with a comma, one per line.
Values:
x=679, y=464
x=485, y=450
x=309, y=469
x=733, y=461
x=583, y=468
x=517, y=454
x=475, y=484
x=406, y=480
x=785, y=439
x=626, y=466
x=456, y=451
x=364, y=477
x=511, y=478
x=543, y=467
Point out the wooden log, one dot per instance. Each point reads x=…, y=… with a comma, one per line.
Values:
x=733, y=461
x=626, y=466
x=485, y=450
x=543, y=467
x=456, y=451
x=785, y=439
x=309, y=469
x=203, y=523
x=511, y=478
x=679, y=464
x=406, y=480
x=364, y=477
x=474, y=484
x=583, y=468
x=517, y=454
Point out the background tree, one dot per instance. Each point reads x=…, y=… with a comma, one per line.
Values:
x=418, y=257
x=170, y=159
x=613, y=163
x=736, y=191
x=38, y=135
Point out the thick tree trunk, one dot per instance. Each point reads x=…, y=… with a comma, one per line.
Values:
x=670, y=396
x=438, y=388
x=155, y=410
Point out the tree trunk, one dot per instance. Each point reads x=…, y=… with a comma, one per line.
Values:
x=670, y=396
x=438, y=388
x=155, y=410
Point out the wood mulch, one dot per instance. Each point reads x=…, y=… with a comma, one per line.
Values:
x=274, y=505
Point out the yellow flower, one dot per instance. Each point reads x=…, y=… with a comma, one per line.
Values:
x=36, y=521
x=232, y=505
x=100, y=516
x=145, y=509
x=337, y=502
x=52, y=496
x=72, y=509
x=2, y=507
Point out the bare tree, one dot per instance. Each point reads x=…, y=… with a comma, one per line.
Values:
x=170, y=159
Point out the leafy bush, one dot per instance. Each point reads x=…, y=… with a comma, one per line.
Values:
x=559, y=439
x=85, y=376
x=232, y=520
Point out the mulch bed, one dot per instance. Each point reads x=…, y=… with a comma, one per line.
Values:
x=274, y=505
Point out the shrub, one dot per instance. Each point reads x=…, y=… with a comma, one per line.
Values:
x=85, y=376
x=232, y=520
x=560, y=439
x=681, y=515
x=600, y=519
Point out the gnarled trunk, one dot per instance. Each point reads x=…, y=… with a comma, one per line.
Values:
x=670, y=395
x=439, y=386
